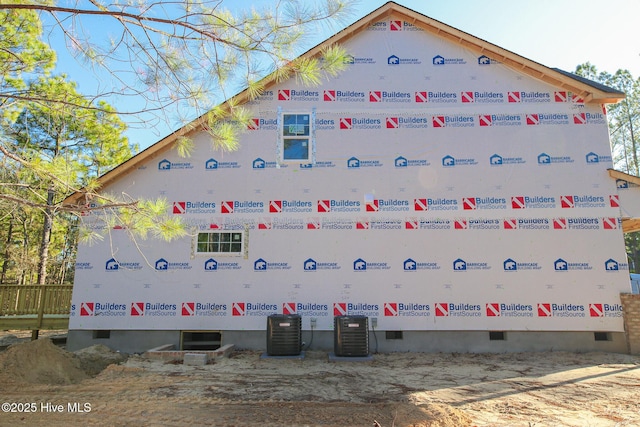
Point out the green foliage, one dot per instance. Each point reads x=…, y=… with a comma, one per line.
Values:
x=55, y=141
x=624, y=131
x=22, y=52
x=623, y=117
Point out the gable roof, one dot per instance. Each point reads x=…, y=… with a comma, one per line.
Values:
x=590, y=91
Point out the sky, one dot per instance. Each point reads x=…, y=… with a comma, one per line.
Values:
x=554, y=33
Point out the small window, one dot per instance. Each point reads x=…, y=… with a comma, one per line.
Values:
x=219, y=243
x=101, y=334
x=602, y=336
x=297, y=137
x=497, y=336
x=200, y=340
x=393, y=335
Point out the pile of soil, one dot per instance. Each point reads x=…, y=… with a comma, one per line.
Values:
x=96, y=358
x=428, y=415
x=41, y=362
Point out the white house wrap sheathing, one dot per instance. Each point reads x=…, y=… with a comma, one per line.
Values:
x=447, y=191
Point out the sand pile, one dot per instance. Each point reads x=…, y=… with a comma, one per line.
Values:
x=428, y=415
x=96, y=358
x=41, y=362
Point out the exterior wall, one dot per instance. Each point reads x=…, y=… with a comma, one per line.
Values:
x=631, y=305
x=126, y=341
x=446, y=192
x=419, y=341
x=629, y=196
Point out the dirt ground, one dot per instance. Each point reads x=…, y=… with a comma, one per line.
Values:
x=401, y=389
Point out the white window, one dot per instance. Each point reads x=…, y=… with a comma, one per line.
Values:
x=220, y=242
x=296, y=137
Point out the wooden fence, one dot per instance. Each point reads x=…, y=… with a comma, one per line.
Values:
x=35, y=306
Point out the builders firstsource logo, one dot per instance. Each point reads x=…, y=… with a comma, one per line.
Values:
x=384, y=96
x=476, y=224
x=356, y=309
x=446, y=309
x=331, y=95
x=139, y=309
x=197, y=207
x=527, y=224
x=486, y=97
x=483, y=203
x=436, y=97
x=496, y=120
x=542, y=119
x=589, y=119
x=298, y=95
x=583, y=201
x=245, y=206
x=209, y=309
x=387, y=205
x=427, y=224
x=407, y=122
x=449, y=121
x=354, y=123
x=100, y=309
x=338, y=205
x=529, y=97
x=409, y=309
x=436, y=204
x=533, y=202
x=262, y=124
x=241, y=309
x=290, y=206
x=561, y=310
x=495, y=309
x=397, y=25
x=311, y=309
x=605, y=310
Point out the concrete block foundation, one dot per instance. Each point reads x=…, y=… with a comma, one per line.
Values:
x=379, y=341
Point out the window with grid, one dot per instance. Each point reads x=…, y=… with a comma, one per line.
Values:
x=296, y=137
x=219, y=242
